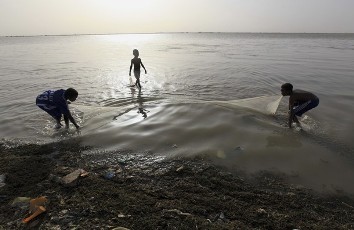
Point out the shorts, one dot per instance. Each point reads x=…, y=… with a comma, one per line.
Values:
x=304, y=107
x=137, y=74
x=51, y=110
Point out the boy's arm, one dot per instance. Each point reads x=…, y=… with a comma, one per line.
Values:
x=291, y=117
x=69, y=117
x=143, y=66
x=130, y=69
x=291, y=102
x=63, y=106
x=66, y=119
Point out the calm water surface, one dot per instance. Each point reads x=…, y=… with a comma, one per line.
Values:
x=185, y=73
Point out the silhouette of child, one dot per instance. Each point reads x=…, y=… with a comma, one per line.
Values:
x=55, y=103
x=300, y=101
x=136, y=61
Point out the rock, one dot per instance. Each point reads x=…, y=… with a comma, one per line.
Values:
x=261, y=211
x=178, y=212
x=109, y=175
x=291, y=194
x=2, y=180
x=120, y=228
x=180, y=168
x=21, y=201
x=222, y=217
x=72, y=178
x=123, y=216
x=63, y=212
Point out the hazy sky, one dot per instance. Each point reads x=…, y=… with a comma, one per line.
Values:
x=34, y=17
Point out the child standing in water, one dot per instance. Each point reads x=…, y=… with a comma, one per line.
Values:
x=136, y=61
x=300, y=101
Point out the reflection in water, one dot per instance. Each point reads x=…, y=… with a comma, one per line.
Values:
x=120, y=114
x=143, y=112
x=132, y=87
x=139, y=100
x=236, y=138
x=141, y=108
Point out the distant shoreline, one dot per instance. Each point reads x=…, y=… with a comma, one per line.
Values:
x=89, y=34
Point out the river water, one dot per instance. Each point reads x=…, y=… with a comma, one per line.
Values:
x=204, y=93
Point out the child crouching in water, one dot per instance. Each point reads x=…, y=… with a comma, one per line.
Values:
x=55, y=103
x=300, y=101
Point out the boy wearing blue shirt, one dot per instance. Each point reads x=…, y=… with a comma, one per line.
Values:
x=55, y=104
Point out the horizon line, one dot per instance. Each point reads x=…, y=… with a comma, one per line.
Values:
x=83, y=34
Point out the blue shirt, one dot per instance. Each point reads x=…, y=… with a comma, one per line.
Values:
x=53, y=100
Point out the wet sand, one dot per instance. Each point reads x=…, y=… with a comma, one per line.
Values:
x=145, y=191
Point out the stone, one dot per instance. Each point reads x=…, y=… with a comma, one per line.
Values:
x=72, y=178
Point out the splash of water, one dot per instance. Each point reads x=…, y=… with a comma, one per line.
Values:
x=263, y=104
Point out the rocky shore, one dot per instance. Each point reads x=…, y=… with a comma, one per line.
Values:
x=126, y=190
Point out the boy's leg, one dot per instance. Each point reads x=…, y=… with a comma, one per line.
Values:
x=137, y=83
x=56, y=114
x=66, y=119
x=137, y=77
x=53, y=112
x=296, y=120
x=301, y=109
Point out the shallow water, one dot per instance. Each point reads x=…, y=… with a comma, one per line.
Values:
x=204, y=93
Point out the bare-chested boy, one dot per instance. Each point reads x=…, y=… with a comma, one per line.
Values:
x=300, y=101
x=136, y=61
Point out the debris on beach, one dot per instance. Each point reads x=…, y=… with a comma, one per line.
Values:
x=109, y=174
x=37, y=207
x=180, y=168
x=261, y=211
x=123, y=216
x=38, y=211
x=155, y=194
x=72, y=178
x=222, y=217
x=178, y=212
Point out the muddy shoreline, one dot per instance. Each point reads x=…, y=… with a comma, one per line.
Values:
x=143, y=191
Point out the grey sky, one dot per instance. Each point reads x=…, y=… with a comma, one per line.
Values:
x=37, y=17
